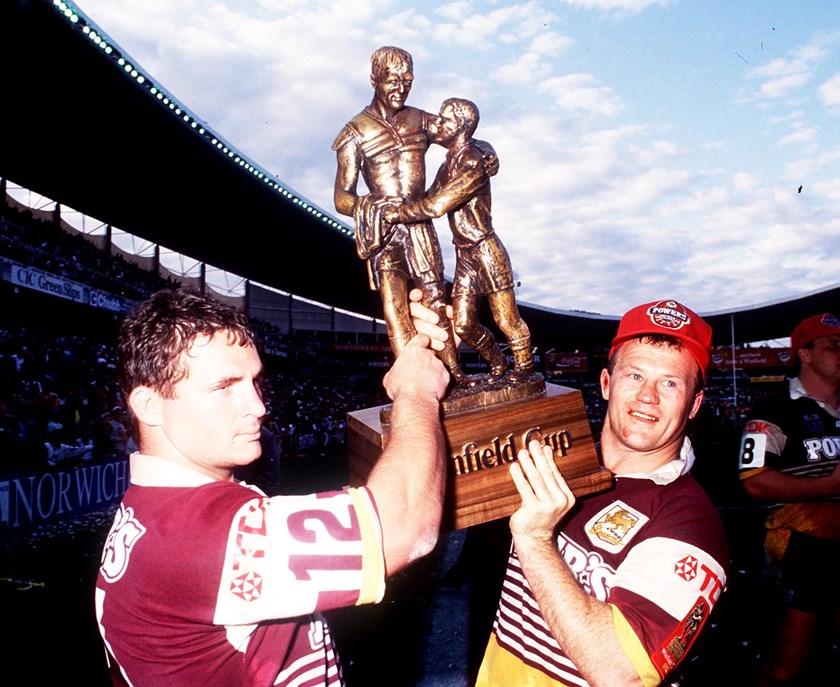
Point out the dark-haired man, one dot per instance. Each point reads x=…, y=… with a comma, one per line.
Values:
x=206, y=581
x=614, y=589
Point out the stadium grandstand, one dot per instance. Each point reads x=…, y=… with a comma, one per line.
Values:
x=119, y=155
x=61, y=422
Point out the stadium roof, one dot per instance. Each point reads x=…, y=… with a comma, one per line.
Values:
x=87, y=131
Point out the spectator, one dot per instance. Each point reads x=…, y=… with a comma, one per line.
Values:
x=265, y=472
x=59, y=454
x=789, y=457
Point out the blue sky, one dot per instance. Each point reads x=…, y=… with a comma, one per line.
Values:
x=649, y=149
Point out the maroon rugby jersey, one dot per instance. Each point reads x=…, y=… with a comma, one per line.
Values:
x=212, y=583
x=655, y=550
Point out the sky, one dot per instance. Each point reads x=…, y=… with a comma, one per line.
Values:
x=649, y=149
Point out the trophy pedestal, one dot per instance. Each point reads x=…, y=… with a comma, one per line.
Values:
x=482, y=442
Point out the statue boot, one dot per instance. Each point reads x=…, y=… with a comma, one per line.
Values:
x=523, y=360
x=490, y=352
x=449, y=358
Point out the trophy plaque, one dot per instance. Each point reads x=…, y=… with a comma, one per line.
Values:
x=482, y=442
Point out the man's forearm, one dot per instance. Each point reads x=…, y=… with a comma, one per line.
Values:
x=345, y=202
x=775, y=485
x=581, y=624
x=346, y=179
x=408, y=481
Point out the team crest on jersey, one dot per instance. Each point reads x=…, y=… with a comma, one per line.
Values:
x=614, y=526
x=669, y=315
x=125, y=533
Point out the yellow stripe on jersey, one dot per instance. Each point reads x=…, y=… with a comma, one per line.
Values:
x=746, y=474
x=500, y=668
x=373, y=564
x=634, y=650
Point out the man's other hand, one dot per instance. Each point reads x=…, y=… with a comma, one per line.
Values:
x=417, y=372
x=426, y=321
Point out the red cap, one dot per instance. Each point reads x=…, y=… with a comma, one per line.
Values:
x=810, y=329
x=670, y=318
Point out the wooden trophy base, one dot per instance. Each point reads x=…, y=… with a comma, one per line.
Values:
x=482, y=442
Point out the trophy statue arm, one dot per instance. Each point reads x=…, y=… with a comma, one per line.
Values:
x=349, y=159
x=446, y=196
x=491, y=160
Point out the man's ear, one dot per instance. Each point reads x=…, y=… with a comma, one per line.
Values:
x=695, y=405
x=804, y=355
x=605, y=384
x=145, y=403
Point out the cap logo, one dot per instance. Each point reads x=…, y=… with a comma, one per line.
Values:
x=669, y=315
x=830, y=320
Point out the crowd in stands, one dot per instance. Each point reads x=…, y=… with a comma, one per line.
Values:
x=40, y=245
x=60, y=402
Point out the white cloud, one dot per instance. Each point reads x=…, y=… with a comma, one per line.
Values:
x=551, y=43
x=527, y=68
x=800, y=133
x=582, y=92
x=627, y=6
x=829, y=91
x=742, y=181
x=781, y=76
x=781, y=86
x=830, y=189
x=807, y=167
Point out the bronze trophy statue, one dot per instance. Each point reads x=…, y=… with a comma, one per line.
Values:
x=487, y=418
x=386, y=143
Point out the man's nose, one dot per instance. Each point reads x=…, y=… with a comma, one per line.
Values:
x=254, y=403
x=648, y=392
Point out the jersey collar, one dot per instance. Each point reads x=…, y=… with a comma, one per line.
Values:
x=665, y=474
x=797, y=390
x=152, y=471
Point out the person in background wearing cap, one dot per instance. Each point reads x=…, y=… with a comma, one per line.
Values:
x=790, y=457
x=615, y=588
